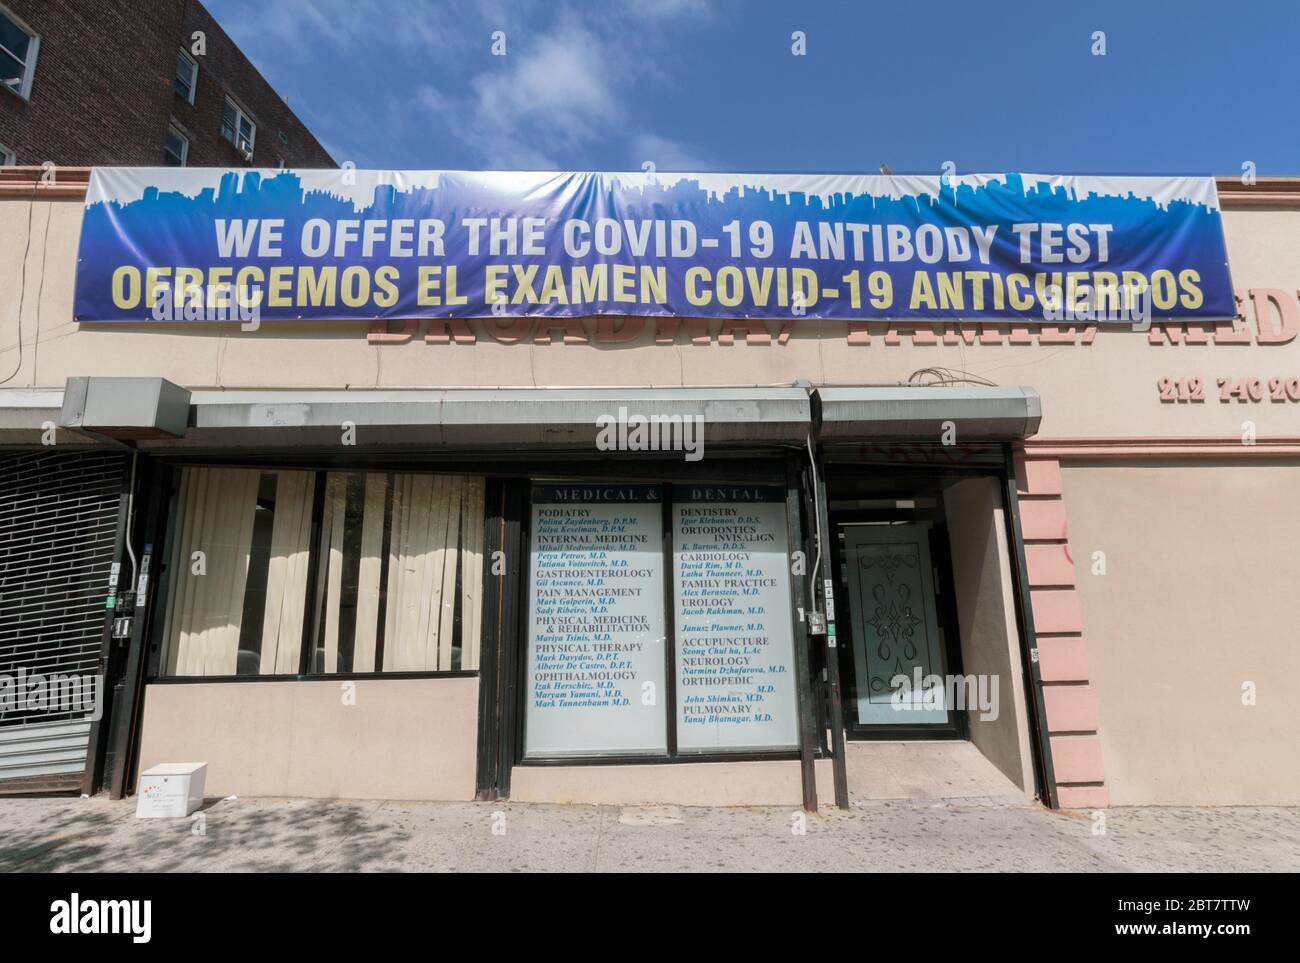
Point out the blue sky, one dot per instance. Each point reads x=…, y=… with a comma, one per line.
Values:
x=1185, y=86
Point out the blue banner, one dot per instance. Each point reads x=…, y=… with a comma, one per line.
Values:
x=210, y=245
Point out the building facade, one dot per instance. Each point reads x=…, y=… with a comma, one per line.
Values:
x=137, y=82
x=398, y=560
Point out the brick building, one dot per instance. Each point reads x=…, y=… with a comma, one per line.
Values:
x=138, y=82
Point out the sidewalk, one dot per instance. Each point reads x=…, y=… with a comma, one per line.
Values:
x=275, y=835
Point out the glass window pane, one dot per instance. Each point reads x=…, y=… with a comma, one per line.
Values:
x=11, y=72
x=400, y=573
x=14, y=39
x=185, y=71
x=238, y=579
x=176, y=148
x=354, y=527
x=596, y=626
x=734, y=639
x=229, y=119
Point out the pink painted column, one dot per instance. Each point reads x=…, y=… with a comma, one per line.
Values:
x=1058, y=626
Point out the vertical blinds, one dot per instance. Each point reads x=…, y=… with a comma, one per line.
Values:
x=422, y=573
x=242, y=552
x=354, y=534
x=398, y=576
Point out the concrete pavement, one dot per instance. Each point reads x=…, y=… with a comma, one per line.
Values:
x=280, y=835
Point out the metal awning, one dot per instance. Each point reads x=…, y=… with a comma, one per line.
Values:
x=484, y=418
x=514, y=418
x=26, y=415
x=906, y=413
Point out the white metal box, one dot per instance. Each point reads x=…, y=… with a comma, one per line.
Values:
x=172, y=789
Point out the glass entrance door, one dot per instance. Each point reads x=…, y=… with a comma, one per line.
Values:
x=898, y=659
x=896, y=612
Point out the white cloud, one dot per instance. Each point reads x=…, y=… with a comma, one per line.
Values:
x=666, y=154
x=571, y=78
x=362, y=29
x=555, y=95
x=666, y=9
x=561, y=90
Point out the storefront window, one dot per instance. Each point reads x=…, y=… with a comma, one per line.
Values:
x=402, y=573
x=735, y=640
x=630, y=657
x=596, y=661
x=398, y=573
x=239, y=573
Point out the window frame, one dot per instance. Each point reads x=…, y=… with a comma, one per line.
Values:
x=175, y=128
x=8, y=158
x=24, y=89
x=241, y=116
x=194, y=77
x=171, y=496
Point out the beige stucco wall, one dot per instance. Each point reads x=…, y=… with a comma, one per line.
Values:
x=403, y=738
x=753, y=783
x=1106, y=388
x=986, y=616
x=1201, y=596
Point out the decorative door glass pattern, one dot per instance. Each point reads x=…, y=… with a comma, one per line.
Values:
x=895, y=628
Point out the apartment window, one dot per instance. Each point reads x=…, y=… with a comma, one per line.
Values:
x=238, y=128
x=176, y=153
x=187, y=76
x=397, y=584
x=7, y=157
x=18, y=47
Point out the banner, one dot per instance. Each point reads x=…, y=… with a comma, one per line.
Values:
x=209, y=245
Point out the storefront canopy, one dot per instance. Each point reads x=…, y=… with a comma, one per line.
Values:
x=912, y=413
x=511, y=418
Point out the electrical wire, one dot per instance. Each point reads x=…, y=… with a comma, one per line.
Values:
x=130, y=519
x=947, y=376
x=22, y=287
x=817, y=515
